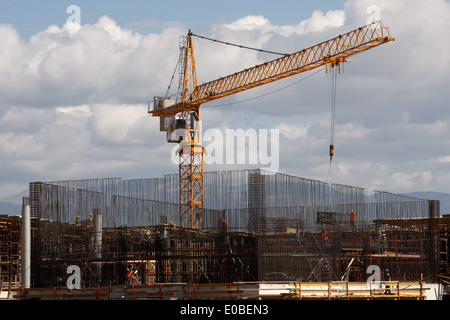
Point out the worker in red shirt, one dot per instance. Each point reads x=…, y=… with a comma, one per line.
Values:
x=223, y=225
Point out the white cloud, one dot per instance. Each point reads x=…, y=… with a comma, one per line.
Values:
x=318, y=22
x=249, y=23
x=117, y=123
x=445, y=159
x=73, y=102
x=97, y=63
x=292, y=132
x=77, y=111
x=407, y=181
x=258, y=32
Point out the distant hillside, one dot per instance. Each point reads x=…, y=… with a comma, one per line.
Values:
x=10, y=209
x=444, y=198
x=12, y=205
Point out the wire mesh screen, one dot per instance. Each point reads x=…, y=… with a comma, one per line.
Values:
x=246, y=199
x=272, y=230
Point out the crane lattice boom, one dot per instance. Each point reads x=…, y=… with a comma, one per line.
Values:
x=332, y=51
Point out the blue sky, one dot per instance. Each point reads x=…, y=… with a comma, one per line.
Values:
x=30, y=17
x=73, y=102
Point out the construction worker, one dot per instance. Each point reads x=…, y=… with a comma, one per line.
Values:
x=90, y=220
x=387, y=277
x=223, y=225
x=352, y=216
x=130, y=273
x=147, y=240
x=382, y=242
x=324, y=234
x=172, y=228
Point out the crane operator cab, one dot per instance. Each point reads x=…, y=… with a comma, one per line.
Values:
x=176, y=129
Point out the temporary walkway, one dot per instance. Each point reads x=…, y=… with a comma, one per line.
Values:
x=341, y=290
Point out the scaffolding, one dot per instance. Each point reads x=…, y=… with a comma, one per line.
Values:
x=10, y=252
x=256, y=227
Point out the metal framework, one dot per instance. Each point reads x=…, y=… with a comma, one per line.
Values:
x=191, y=150
x=272, y=231
x=191, y=185
x=10, y=252
x=331, y=52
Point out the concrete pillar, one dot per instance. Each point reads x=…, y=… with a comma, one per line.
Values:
x=26, y=246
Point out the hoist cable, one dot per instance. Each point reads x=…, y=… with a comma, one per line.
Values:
x=240, y=46
x=171, y=80
x=333, y=105
x=334, y=73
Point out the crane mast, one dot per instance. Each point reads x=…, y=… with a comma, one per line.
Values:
x=180, y=117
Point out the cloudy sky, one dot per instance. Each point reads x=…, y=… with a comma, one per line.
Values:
x=73, y=100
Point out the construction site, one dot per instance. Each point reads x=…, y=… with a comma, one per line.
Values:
x=258, y=228
x=243, y=234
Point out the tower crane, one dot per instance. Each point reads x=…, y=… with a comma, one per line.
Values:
x=180, y=117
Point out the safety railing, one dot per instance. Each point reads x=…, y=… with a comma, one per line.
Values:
x=338, y=290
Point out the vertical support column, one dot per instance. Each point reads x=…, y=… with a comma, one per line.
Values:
x=191, y=187
x=256, y=201
x=191, y=150
x=160, y=254
x=191, y=174
x=98, y=225
x=188, y=72
x=434, y=208
x=26, y=244
x=36, y=274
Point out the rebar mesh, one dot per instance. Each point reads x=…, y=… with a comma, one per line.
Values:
x=272, y=230
x=237, y=195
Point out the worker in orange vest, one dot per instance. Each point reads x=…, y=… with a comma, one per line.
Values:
x=352, y=216
x=130, y=273
x=324, y=234
x=90, y=220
